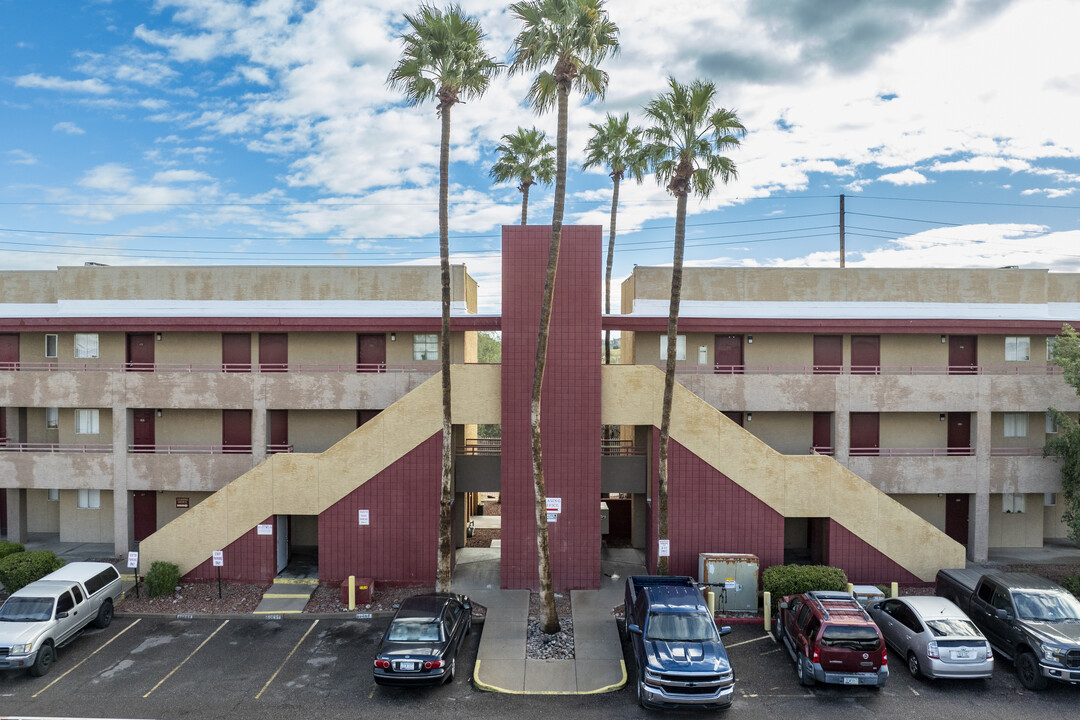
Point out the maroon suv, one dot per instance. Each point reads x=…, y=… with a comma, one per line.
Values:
x=832, y=640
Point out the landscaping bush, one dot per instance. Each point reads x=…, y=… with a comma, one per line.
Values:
x=781, y=580
x=162, y=578
x=22, y=568
x=1072, y=584
x=10, y=548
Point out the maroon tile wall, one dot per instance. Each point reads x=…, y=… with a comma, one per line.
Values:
x=400, y=546
x=863, y=564
x=570, y=413
x=251, y=558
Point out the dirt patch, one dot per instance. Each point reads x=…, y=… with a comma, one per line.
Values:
x=492, y=509
x=327, y=599
x=482, y=537
x=237, y=598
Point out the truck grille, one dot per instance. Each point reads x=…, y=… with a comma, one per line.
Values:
x=676, y=684
x=5, y=651
x=1072, y=659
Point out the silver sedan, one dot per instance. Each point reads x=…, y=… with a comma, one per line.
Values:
x=934, y=636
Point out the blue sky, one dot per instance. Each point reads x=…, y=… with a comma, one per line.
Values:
x=217, y=131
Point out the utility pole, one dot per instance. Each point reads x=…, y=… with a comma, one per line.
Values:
x=841, y=230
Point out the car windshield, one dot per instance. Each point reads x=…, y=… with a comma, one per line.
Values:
x=680, y=627
x=952, y=627
x=413, y=631
x=26, y=609
x=854, y=637
x=1046, y=605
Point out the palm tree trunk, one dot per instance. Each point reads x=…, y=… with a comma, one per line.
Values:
x=662, y=563
x=549, y=618
x=446, y=496
x=524, y=204
x=610, y=256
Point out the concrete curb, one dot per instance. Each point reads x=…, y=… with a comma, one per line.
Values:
x=481, y=685
x=251, y=616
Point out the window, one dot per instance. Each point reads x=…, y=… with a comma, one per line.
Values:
x=680, y=348
x=50, y=346
x=1017, y=348
x=1012, y=502
x=88, y=499
x=1015, y=425
x=54, y=495
x=77, y=593
x=1051, y=343
x=1051, y=426
x=52, y=418
x=425, y=347
x=1049, y=499
x=86, y=345
x=64, y=603
x=86, y=422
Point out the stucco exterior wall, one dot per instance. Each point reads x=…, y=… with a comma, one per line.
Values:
x=787, y=433
x=188, y=427
x=912, y=430
x=784, y=349
x=1036, y=432
x=1017, y=529
x=929, y=506
x=28, y=286
x=85, y=524
x=312, y=431
x=914, y=350
x=320, y=348
x=189, y=348
x=42, y=514
x=166, y=504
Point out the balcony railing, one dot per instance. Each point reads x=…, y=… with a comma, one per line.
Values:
x=493, y=446
x=1016, y=452
x=278, y=448
x=429, y=367
x=822, y=450
x=191, y=449
x=7, y=446
x=911, y=452
x=620, y=448
x=689, y=369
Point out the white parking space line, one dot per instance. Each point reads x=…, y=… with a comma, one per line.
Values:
x=209, y=637
x=747, y=642
x=86, y=658
x=53, y=717
x=295, y=648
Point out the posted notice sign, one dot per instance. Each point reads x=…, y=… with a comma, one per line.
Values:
x=664, y=549
x=364, y=517
x=265, y=529
x=553, y=517
x=554, y=505
x=133, y=559
x=219, y=558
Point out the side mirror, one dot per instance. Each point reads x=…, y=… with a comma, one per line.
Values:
x=61, y=615
x=1004, y=614
x=633, y=629
x=465, y=602
x=783, y=606
x=725, y=630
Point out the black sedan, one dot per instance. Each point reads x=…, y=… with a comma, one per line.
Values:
x=420, y=646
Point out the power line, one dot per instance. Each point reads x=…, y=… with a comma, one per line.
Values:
x=968, y=202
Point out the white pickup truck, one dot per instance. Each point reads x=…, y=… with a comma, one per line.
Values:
x=49, y=612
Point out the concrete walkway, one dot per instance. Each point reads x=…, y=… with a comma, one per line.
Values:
x=501, y=665
x=286, y=596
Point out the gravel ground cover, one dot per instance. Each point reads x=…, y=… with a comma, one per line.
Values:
x=193, y=598
x=540, y=646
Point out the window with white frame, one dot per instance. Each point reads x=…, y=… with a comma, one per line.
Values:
x=425, y=346
x=1051, y=426
x=86, y=345
x=1017, y=348
x=88, y=499
x=86, y=422
x=54, y=495
x=52, y=418
x=50, y=346
x=1012, y=502
x=680, y=348
x=1016, y=425
x=1051, y=343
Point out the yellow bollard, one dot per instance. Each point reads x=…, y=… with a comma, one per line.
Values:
x=766, y=601
x=710, y=600
x=352, y=592
x=894, y=589
x=850, y=589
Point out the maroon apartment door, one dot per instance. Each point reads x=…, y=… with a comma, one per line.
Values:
x=828, y=354
x=371, y=352
x=273, y=352
x=956, y=517
x=143, y=435
x=279, y=429
x=363, y=416
x=9, y=352
x=959, y=435
x=865, y=354
x=728, y=354
x=735, y=416
x=236, y=352
x=236, y=431
x=865, y=433
x=140, y=352
x=823, y=433
x=144, y=510
x=963, y=354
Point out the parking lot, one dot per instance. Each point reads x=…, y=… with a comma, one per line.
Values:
x=154, y=667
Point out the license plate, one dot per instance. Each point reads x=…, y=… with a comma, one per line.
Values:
x=407, y=665
x=962, y=654
x=851, y=681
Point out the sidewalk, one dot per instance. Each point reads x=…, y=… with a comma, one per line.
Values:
x=501, y=665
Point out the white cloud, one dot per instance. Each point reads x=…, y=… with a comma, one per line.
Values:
x=21, y=157
x=173, y=176
x=111, y=177
x=68, y=127
x=92, y=86
x=904, y=177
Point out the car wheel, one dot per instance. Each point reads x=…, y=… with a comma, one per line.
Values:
x=806, y=675
x=450, y=672
x=105, y=615
x=1027, y=670
x=913, y=665
x=45, y=657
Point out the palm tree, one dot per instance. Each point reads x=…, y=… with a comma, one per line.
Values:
x=686, y=139
x=617, y=146
x=525, y=156
x=573, y=36
x=443, y=59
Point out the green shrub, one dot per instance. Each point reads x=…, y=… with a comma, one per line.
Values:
x=1072, y=584
x=162, y=578
x=10, y=548
x=22, y=568
x=781, y=580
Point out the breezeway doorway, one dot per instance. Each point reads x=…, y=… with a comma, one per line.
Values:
x=297, y=546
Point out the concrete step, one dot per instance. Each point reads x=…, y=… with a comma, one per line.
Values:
x=287, y=596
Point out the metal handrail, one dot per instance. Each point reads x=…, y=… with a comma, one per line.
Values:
x=493, y=446
x=6, y=446
x=278, y=448
x=431, y=367
x=912, y=452
x=169, y=449
x=1016, y=452
x=1019, y=369
x=822, y=450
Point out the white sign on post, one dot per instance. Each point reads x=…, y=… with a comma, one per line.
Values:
x=133, y=559
x=554, y=505
x=265, y=530
x=665, y=549
x=219, y=558
x=365, y=517
x=553, y=517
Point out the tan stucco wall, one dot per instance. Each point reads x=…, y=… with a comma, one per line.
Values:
x=787, y=433
x=166, y=504
x=1036, y=431
x=1053, y=526
x=1017, y=529
x=190, y=347
x=67, y=427
x=318, y=348
x=312, y=431
x=188, y=427
x=647, y=349
x=992, y=350
x=912, y=430
x=28, y=286
x=779, y=349
x=42, y=515
x=84, y=524
x=914, y=350
x=928, y=506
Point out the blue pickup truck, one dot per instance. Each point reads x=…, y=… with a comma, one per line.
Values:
x=680, y=657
